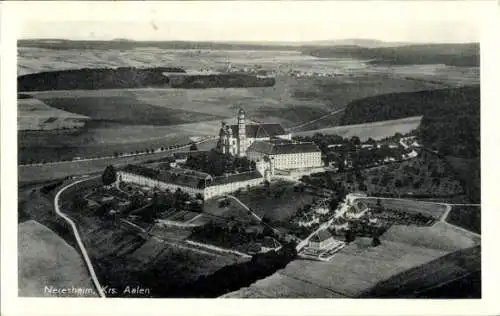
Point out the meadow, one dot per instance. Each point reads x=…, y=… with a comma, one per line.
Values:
x=46, y=259
x=376, y=130
x=431, y=209
x=346, y=275
x=278, y=203
x=34, y=173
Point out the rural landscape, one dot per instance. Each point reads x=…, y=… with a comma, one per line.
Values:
x=179, y=169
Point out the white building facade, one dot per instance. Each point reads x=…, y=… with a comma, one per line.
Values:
x=286, y=155
x=207, y=187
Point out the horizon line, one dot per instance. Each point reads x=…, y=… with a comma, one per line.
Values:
x=374, y=40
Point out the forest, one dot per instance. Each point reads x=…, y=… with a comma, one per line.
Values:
x=451, y=117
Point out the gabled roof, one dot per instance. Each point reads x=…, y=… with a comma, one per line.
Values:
x=339, y=221
x=240, y=177
x=276, y=148
x=178, y=178
x=320, y=236
x=260, y=130
x=270, y=242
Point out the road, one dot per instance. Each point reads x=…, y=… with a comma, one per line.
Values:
x=53, y=171
x=245, y=207
x=157, y=151
x=85, y=255
x=316, y=120
x=253, y=214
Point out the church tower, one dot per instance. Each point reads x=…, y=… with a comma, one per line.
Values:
x=242, y=135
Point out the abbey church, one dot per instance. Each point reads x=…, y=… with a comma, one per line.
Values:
x=269, y=142
x=235, y=139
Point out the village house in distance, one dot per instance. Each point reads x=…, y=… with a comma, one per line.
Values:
x=268, y=145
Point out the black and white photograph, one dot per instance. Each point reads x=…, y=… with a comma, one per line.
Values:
x=249, y=152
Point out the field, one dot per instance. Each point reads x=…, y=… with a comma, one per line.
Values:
x=34, y=114
x=45, y=259
x=411, y=206
x=377, y=130
x=159, y=262
x=440, y=236
x=423, y=280
x=468, y=217
x=278, y=203
x=134, y=119
x=63, y=169
x=353, y=270
x=232, y=211
x=359, y=267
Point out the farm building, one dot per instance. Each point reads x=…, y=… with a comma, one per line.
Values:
x=269, y=244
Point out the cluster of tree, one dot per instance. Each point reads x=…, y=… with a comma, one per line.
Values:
x=50, y=187
x=109, y=175
x=328, y=180
x=451, y=117
x=217, y=164
x=400, y=217
x=231, y=234
x=223, y=80
x=362, y=229
x=227, y=279
x=323, y=140
x=95, y=78
x=350, y=149
x=131, y=77
x=161, y=202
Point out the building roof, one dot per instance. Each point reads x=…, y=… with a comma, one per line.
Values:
x=270, y=242
x=190, y=178
x=320, y=236
x=277, y=148
x=306, y=218
x=260, y=130
x=243, y=176
x=190, y=172
x=339, y=221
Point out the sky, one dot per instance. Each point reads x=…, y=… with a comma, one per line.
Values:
x=296, y=21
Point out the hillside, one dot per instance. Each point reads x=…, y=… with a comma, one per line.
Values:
x=461, y=268
x=460, y=55
x=63, y=44
x=450, y=123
